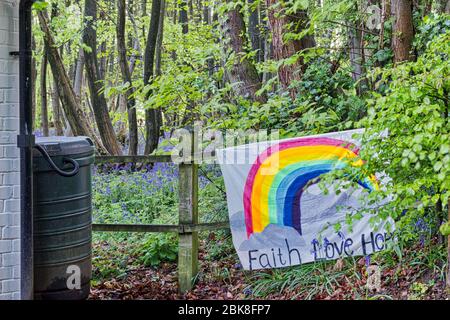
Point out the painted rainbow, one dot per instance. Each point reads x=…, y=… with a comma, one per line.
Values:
x=276, y=180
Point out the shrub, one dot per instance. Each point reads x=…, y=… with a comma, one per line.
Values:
x=408, y=133
x=157, y=248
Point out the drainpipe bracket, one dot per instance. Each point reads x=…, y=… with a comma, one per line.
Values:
x=25, y=140
x=20, y=53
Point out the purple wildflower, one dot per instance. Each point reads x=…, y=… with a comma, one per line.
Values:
x=238, y=266
x=248, y=291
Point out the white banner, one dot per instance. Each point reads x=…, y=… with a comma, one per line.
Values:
x=279, y=217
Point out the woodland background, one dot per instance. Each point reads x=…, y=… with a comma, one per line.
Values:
x=127, y=73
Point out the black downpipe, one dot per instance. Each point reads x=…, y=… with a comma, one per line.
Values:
x=25, y=141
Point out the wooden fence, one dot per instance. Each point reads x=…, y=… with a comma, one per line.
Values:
x=188, y=226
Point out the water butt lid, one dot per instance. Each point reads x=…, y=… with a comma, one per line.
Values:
x=64, y=146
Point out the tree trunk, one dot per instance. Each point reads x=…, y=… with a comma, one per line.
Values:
x=56, y=104
x=126, y=75
x=280, y=24
x=136, y=44
x=183, y=19
x=44, y=110
x=144, y=7
x=254, y=30
x=98, y=100
x=79, y=73
x=102, y=64
x=207, y=20
x=56, y=108
x=159, y=39
x=357, y=54
x=191, y=9
x=385, y=14
x=356, y=57
x=263, y=31
x=152, y=122
x=173, y=53
x=243, y=73
x=403, y=30
x=33, y=83
x=75, y=116
x=267, y=43
x=206, y=14
x=444, y=6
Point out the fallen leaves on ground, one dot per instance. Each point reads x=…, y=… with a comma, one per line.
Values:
x=224, y=279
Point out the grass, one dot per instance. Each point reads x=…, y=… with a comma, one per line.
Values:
x=307, y=281
x=121, y=195
x=418, y=272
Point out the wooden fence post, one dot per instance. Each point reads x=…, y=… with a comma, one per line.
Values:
x=188, y=215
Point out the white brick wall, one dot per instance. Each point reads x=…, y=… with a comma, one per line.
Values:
x=9, y=153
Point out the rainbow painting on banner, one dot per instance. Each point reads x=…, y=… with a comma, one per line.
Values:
x=275, y=183
x=279, y=215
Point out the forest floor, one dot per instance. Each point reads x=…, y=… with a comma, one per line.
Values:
x=414, y=270
x=223, y=279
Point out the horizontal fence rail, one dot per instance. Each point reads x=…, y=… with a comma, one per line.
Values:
x=160, y=228
x=132, y=159
x=188, y=227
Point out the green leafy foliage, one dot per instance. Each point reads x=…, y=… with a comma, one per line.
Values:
x=445, y=229
x=404, y=108
x=138, y=197
x=408, y=132
x=430, y=27
x=158, y=248
x=124, y=195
